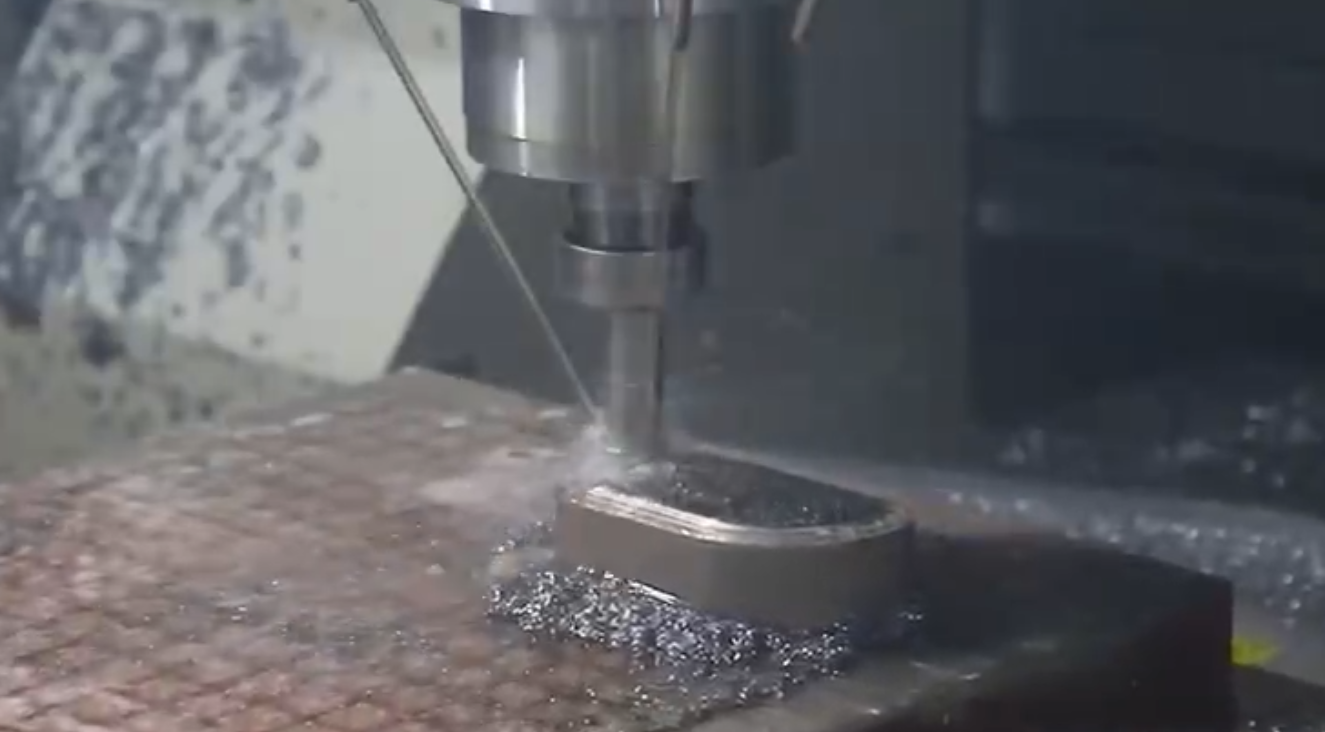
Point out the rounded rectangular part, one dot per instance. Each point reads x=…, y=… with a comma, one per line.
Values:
x=800, y=575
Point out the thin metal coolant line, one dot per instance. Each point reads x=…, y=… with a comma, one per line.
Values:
x=800, y=26
x=486, y=221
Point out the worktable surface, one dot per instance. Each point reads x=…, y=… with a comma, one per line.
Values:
x=322, y=568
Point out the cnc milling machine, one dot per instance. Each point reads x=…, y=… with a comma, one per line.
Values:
x=349, y=548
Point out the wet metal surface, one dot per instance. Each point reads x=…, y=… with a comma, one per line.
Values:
x=326, y=571
x=750, y=495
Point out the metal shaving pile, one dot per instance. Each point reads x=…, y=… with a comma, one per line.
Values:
x=123, y=102
x=707, y=661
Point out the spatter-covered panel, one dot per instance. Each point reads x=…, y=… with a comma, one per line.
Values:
x=228, y=171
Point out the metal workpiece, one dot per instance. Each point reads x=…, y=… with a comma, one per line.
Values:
x=578, y=91
x=745, y=542
x=321, y=569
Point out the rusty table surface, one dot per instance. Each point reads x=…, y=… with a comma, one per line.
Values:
x=321, y=569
